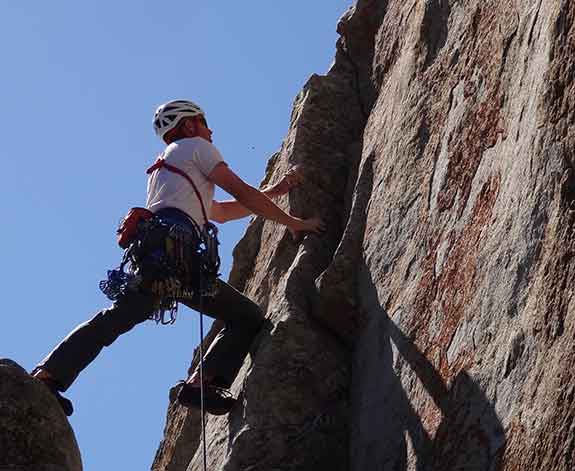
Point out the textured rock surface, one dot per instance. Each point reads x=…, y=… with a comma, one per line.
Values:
x=432, y=327
x=34, y=432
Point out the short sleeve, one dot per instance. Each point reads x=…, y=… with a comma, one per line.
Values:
x=207, y=157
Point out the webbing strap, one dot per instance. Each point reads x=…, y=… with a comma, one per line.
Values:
x=161, y=163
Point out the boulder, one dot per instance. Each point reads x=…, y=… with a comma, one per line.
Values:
x=34, y=432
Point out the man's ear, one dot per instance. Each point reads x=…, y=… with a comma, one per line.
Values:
x=190, y=126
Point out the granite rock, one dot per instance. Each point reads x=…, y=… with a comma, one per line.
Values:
x=34, y=432
x=432, y=327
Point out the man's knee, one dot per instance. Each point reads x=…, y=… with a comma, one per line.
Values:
x=253, y=318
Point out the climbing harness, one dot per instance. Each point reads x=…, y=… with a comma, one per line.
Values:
x=172, y=261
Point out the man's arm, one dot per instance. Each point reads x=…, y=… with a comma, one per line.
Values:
x=258, y=203
x=249, y=196
x=224, y=211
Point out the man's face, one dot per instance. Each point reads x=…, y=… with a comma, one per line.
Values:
x=202, y=129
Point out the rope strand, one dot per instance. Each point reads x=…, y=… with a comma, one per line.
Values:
x=203, y=412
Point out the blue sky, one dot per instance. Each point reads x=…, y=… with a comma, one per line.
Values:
x=80, y=83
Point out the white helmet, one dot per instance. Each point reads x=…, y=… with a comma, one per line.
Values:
x=169, y=115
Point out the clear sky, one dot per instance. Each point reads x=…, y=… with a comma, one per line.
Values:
x=80, y=82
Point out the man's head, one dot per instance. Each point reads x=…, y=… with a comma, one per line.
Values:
x=179, y=119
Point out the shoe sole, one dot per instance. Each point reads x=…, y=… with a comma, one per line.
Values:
x=213, y=404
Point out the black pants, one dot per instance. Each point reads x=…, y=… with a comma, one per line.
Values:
x=224, y=358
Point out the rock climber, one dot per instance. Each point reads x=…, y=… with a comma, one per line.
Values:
x=179, y=195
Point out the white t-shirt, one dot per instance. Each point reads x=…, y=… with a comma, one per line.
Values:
x=195, y=156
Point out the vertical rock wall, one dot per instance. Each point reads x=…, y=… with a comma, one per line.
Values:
x=467, y=358
x=433, y=326
x=293, y=407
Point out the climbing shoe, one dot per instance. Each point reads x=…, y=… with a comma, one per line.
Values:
x=65, y=404
x=217, y=400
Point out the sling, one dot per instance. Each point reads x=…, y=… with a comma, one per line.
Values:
x=161, y=163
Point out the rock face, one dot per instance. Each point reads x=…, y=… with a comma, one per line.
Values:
x=432, y=327
x=34, y=432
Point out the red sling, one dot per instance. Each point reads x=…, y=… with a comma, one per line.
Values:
x=129, y=226
x=161, y=163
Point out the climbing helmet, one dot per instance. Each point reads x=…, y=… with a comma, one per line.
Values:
x=169, y=115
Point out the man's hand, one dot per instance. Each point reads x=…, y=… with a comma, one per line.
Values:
x=291, y=179
x=303, y=226
x=250, y=200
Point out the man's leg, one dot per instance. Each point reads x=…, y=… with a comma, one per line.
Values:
x=83, y=344
x=243, y=319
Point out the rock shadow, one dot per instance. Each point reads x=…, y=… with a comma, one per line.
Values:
x=388, y=433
